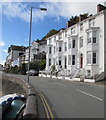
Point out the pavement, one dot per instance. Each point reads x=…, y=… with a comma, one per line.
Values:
x=69, y=99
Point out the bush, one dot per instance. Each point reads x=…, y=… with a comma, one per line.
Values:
x=42, y=64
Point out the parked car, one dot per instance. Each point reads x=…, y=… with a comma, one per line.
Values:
x=33, y=72
x=12, y=105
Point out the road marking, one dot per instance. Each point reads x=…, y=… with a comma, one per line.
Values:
x=60, y=84
x=89, y=94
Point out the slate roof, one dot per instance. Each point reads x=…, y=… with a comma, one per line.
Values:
x=17, y=48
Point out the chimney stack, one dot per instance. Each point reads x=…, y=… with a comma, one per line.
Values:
x=100, y=8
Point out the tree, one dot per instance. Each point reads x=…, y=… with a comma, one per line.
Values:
x=50, y=33
x=42, y=64
x=34, y=65
x=53, y=69
x=23, y=68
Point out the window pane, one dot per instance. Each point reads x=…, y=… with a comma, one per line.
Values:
x=94, y=39
x=88, y=57
x=73, y=43
x=49, y=62
x=59, y=62
x=49, y=50
x=73, y=59
x=69, y=59
x=88, y=37
x=65, y=46
x=59, y=48
x=94, y=58
x=81, y=42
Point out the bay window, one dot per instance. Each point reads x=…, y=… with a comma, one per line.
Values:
x=91, y=57
x=69, y=59
x=88, y=57
x=89, y=37
x=94, y=36
x=94, y=58
x=81, y=42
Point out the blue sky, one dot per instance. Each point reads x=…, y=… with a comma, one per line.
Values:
x=15, y=20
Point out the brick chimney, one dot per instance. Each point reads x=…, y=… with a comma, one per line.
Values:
x=68, y=24
x=100, y=8
x=82, y=17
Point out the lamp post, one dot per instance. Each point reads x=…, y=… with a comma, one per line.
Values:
x=43, y=9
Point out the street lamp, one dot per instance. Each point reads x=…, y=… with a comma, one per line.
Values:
x=43, y=9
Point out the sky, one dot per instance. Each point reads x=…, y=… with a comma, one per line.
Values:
x=16, y=19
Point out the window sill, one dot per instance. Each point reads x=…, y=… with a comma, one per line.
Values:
x=92, y=64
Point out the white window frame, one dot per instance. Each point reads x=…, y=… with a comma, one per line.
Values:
x=91, y=22
x=81, y=27
x=60, y=36
x=65, y=46
x=81, y=42
x=94, y=33
x=50, y=40
x=50, y=50
x=54, y=49
x=94, y=57
x=54, y=38
x=49, y=62
x=73, y=46
x=73, y=31
x=89, y=37
x=73, y=60
x=69, y=59
x=89, y=57
x=66, y=33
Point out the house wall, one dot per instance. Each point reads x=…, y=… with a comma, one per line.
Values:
x=13, y=55
x=98, y=47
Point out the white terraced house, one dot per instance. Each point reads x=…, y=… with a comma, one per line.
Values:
x=80, y=50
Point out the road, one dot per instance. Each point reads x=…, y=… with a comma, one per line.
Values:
x=71, y=99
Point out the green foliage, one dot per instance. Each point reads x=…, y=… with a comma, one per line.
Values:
x=53, y=68
x=75, y=19
x=42, y=64
x=23, y=68
x=50, y=33
x=34, y=65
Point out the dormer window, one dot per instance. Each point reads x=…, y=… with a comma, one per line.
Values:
x=73, y=30
x=50, y=40
x=66, y=33
x=89, y=37
x=81, y=26
x=54, y=38
x=81, y=41
x=91, y=23
x=60, y=36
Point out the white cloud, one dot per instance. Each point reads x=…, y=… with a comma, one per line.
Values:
x=52, y=1
x=55, y=9
x=2, y=43
x=4, y=50
x=2, y=62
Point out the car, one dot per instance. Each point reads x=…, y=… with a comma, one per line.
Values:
x=12, y=105
x=33, y=72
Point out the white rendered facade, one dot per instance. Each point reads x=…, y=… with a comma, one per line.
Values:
x=36, y=49
x=79, y=48
x=13, y=57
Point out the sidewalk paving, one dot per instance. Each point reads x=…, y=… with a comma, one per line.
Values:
x=102, y=83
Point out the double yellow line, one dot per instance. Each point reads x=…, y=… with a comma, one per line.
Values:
x=47, y=109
